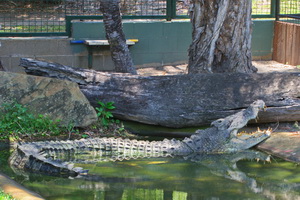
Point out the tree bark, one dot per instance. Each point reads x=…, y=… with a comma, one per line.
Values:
x=114, y=33
x=182, y=100
x=221, y=36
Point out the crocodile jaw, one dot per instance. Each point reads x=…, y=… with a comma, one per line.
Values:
x=245, y=141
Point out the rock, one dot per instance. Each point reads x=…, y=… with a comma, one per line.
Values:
x=55, y=98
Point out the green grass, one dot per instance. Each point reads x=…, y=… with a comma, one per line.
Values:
x=17, y=121
x=4, y=196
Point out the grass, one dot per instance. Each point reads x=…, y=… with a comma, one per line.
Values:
x=18, y=123
x=4, y=196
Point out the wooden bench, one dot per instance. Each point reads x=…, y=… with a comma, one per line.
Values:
x=92, y=43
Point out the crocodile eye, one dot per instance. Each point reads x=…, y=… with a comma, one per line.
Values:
x=217, y=122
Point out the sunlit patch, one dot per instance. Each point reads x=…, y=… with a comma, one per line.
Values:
x=157, y=162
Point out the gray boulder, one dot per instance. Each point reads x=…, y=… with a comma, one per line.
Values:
x=55, y=98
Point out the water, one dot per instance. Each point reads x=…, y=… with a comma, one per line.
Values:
x=197, y=177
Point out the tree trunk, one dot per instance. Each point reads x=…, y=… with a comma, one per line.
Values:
x=114, y=33
x=182, y=100
x=221, y=36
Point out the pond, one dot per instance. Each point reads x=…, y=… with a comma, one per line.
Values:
x=196, y=177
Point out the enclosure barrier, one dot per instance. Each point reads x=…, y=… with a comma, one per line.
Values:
x=286, y=40
x=53, y=17
x=288, y=10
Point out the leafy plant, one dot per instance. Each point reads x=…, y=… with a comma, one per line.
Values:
x=4, y=196
x=16, y=120
x=104, y=113
x=84, y=136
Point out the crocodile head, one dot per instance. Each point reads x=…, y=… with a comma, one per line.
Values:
x=243, y=140
x=224, y=134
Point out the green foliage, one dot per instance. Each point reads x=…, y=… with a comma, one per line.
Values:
x=107, y=125
x=4, y=156
x=84, y=136
x=16, y=121
x=4, y=196
x=104, y=113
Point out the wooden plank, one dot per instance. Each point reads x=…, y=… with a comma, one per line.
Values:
x=96, y=42
x=279, y=42
x=104, y=42
x=296, y=45
x=275, y=41
x=289, y=43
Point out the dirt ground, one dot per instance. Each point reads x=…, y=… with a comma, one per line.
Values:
x=262, y=66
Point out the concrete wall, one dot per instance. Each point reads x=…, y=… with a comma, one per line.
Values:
x=54, y=49
x=160, y=43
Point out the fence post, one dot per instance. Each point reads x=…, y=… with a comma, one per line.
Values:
x=277, y=9
x=171, y=9
x=273, y=8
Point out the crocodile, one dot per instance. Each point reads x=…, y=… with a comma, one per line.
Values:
x=58, y=157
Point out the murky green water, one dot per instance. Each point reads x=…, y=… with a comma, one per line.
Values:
x=197, y=177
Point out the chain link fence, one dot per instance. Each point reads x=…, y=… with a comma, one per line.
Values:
x=128, y=7
x=289, y=10
x=48, y=17
x=263, y=8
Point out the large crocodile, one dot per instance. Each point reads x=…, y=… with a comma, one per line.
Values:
x=57, y=157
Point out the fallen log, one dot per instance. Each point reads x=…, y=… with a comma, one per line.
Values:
x=182, y=100
x=1, y=67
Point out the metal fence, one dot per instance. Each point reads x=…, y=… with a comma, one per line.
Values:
x=53, y=17
x=289, y=10
x=38, y=17
x=263, y=8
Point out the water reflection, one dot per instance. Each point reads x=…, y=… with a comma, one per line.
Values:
x=225, y=176
x=226, y=166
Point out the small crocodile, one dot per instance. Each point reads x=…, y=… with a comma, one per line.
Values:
x=58, y=157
